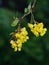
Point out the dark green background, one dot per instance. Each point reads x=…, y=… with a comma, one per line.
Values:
x=36, y=50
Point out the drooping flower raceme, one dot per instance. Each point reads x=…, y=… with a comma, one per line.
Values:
x=21, y=37
x=37, y=29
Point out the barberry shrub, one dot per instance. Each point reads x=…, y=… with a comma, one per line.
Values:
x=28, y=34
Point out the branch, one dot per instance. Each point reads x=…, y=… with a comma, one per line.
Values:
x=32, y=8
x=20, y=19
x=23, y=17
x=34, y=4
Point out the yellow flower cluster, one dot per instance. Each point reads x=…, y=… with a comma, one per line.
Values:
x=37, y=29
x=21, y=37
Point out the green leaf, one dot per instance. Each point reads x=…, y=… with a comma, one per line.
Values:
x=26, y=10
x=32, y=18
x=15, y=22
x=29, y=6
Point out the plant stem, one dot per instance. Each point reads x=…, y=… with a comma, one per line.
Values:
x=34, y=4
x=31, y=10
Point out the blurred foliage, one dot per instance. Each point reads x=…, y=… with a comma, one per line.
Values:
x=36, y=50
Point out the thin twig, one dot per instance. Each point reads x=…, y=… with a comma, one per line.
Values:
x=23, y=17
x=31, y=10
x=20, y=19
x=34, y=4
x=35, y=21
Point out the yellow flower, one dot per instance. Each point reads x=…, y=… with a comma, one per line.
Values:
x=35, y=25
x=37, y=29
x=24, y=33
x=20, y=45
x=19, y=49
x=20, y=38
x=23, y=29
x=17, y=35
x=13, y=44
x=18, y=41
x=27, y=37
x=40, y=25
x=30, y=25
x=15, y=49
x=35, y=33
x=43, y=32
